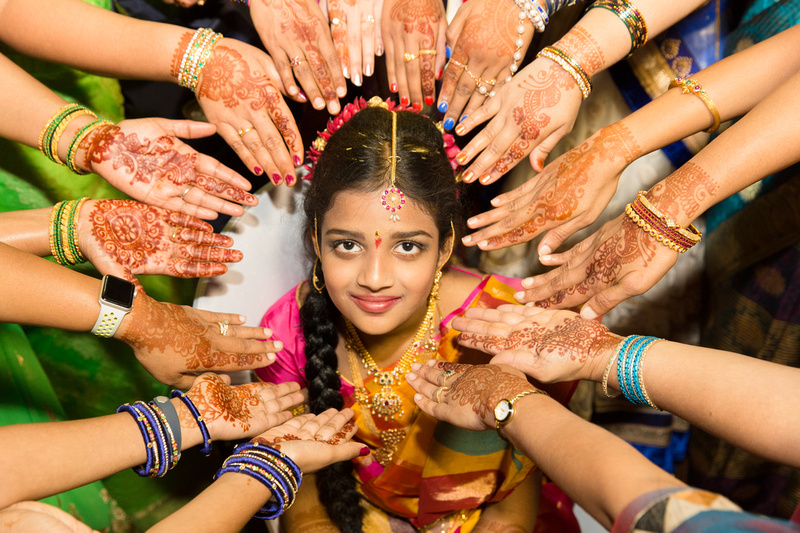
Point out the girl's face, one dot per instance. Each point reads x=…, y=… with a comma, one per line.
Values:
x=377, y=272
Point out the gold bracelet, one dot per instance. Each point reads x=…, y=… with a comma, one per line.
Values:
x=84, y=132
x=50, y=125
x=571, y=66
x=63, y=126
x=630, y=16
x=607, y=371
x=688, y=85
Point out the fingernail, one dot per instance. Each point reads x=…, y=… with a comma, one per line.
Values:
x=460, y=129
x=439, y=74
x=462, y=118
x=294, y=90
x=461, y=158
x=267, y=333
x=364, y=451
x=442, y=107
x=357, y=80
x=467, y=176
x=519, y=296
x=485, y=178
x=278, y=345
x=449, y=123
x=467, y=239
x=319, y=103
x=368, y=70
x=302, y=96
x=483, y=244
x=334, y=108
x=277, y=179
x=416, y=366
x=345, y=73
x=429, y=100
x=545, y=257
x=243, y=319
x=411, y=376
x=379, y=51
x=527, y=283
x=588, y=313
x=447, y=51
x=297, y=161
x=416, y=106
x=403, y=101
x=290, y=179
x=544, y=250
x=540, y=163
x=471, y=222
x=341, y=92
x=271, y=356
x=393, y=87
x=257, y=171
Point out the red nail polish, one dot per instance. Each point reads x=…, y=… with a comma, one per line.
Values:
x=393, y=87
x=429, y=100
x=277, y=179
x=364, y=451
x=290, y=179
x=416, y=106
x=403, y=101
x=439, y=74
x=297, y=161
x=302, y=96
x=257, y=171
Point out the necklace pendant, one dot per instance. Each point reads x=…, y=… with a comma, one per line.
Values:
x=386, y=403
x=385, y=378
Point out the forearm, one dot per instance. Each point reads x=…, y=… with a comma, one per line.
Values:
x=78, y=34
x=763, y=142
x=598, y=470
x=27, y=230
x=227, y=505
x=729, y=85
x=517, y=512
x=746, y=401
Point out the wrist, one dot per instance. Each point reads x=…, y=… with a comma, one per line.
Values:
x=139, y=310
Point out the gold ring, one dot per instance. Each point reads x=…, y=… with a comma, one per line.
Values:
x=335, y=21
x=439, y=392
x=446, y=376
x=223, y=327
x=296, y=61
x=186, y=190
x=174, y=234
x=409, y=57
x=427, y=52
x=458, y=63
x=242, y=132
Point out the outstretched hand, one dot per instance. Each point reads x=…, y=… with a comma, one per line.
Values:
x=240, y=411
x=145, y=159
x=467, y=397
x=569, y=194
x=315, y=441
x=548, y=346
x=175, y=342
x=125, y=238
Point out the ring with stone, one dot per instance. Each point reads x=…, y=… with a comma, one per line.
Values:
x=223, y=327
x=296, y=61
x=244, y=130
x=446, y=376
x=409, y=57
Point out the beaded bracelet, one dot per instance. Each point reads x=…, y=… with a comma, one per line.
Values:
x=163, y=452
x=660, y=226
x=152, y=462
x=64, y=232
x=528, y=10
x=195, y=57
x=571, y=66
x=630, y=16
x=82, y=133
x=688, y=85
x=519, y=43
x=174, y=442
x=206, y=449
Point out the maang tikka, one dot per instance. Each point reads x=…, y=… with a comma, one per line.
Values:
x=393, y=198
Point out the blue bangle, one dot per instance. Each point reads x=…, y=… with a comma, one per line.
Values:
x=206, y=449
x=248, y=446
x=623, y=350
x=148, y=468
x=638, y=384
x=269, y=476
x=631, y=368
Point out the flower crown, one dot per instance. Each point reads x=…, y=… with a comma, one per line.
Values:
x=451, y=149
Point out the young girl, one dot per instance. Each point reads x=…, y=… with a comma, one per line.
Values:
x=381, y=216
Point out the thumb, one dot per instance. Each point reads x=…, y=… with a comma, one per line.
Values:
x=522, y=360
x=544, y=148
x=346, y=451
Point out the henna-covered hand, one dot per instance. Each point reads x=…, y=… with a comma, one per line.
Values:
x=469, y=398
x=315, y=441
x=483, y=36
x=297, y=30
x=569, y=194
x=357, y=36
x=408, y=27
x=145, y=159
x=240, y=92
x=550, y=346
x=125, y=238
x=618, y=261
x=176, y=342
x=241, y=411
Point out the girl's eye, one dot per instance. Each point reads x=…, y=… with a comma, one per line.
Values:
x=346, y=246
x=409, y=248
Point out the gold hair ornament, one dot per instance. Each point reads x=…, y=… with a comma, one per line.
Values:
x=393, y=198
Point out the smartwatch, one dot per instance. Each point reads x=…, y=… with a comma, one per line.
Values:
x=504, y=409
x=116, y=301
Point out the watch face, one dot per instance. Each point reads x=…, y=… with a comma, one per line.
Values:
x=502, y=410
x=118, y=291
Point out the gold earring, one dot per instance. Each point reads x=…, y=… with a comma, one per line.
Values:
x=315, y=279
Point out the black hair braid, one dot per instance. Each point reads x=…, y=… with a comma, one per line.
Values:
x=336, y=484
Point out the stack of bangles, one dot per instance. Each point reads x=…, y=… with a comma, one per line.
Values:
x=664, y=229
x=272, y=468
x=52, y=131
x=630, y=16
x=64, y=232
x=630, y=358
x=161, y=430
x=195, y=57
x=572, y=67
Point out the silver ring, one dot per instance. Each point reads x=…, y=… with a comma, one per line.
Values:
x=186, y=190
x=223, y=327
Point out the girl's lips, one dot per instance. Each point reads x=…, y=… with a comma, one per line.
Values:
x=374, y=304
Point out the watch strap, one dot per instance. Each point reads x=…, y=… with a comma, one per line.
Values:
x=108, y=320
x=501, y=424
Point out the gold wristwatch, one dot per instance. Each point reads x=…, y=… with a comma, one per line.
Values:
x=504, y=409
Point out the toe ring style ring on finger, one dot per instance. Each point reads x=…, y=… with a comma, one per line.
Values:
x=446, y=376
x=296, y=61
x=439, y=392
x=223, y=327
x=186, y=190
x=245, y=130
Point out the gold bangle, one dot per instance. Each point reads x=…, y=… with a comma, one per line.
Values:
x=60, y=130
x=688, y=85
x=51, y=123
x=607, y=371
x=693, y=234
x=571, y=66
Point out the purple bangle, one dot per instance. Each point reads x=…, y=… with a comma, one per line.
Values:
x=206, y=449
